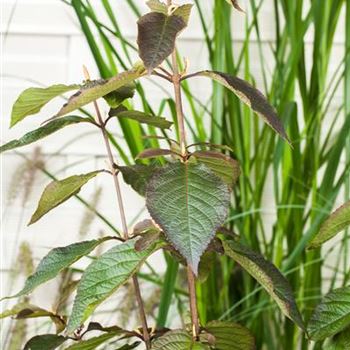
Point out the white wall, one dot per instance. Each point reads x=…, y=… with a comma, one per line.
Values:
x=42, y=45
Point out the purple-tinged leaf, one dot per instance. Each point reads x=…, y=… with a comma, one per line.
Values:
x=268, y=276
x=137, y=176
x=157, y=33
x=189, y=202
x=235, y=4
x=251, y=97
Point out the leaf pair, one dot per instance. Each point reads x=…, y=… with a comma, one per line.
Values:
x=103, y=276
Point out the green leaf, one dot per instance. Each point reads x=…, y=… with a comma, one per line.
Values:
x=175, y=340
x=183, y=11
x=25, y=310
x=58, y=192
x=223, y=166
x=157, y=33
x=142, y=118
x=93, y=343
x=116, y=97
x=331, y=316
x=230, y=336
x=340, y=341
x=31, y=100
x=104, y=276
x=137, y=176
x=92, y=92
x=157, y=6
x=16, y=309
x=268, y=276
x=250, y=96
x=45, y=341
x=57, y=260
x=189, y=202
x=43, y=131
x=336, y=222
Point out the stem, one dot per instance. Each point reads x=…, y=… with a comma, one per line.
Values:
x=193, y=302
x=176, y=79
x=112, y=163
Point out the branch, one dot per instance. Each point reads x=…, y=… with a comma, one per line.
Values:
x=112, y=163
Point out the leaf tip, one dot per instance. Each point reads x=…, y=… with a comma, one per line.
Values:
x=32, y=220
x=13, y=122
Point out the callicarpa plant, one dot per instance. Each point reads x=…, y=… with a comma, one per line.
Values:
x=187, y=195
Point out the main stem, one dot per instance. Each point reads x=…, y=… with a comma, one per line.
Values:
x=176, y=78
x=112, y=165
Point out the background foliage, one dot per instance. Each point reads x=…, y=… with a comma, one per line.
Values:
x=305, y=181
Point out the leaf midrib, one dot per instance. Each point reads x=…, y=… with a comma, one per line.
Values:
x=160, y=41
x=187, y=208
